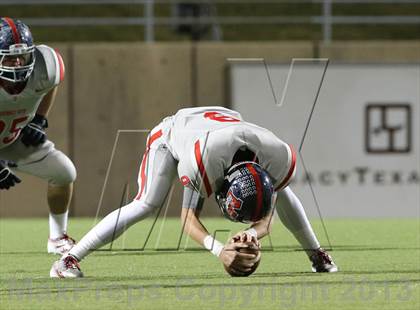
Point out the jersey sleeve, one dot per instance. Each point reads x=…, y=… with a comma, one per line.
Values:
x=199, y=168
x=191, y=199
x=53, y=67
x=192, y=171
x=290, y=169
x=276, y=156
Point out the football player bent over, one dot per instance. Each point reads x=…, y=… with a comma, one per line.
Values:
x=213, y=151
x=29, y=76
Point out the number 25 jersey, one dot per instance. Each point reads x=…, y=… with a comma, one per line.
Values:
x=16, y=111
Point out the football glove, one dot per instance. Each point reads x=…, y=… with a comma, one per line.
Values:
x=7, y=177
x=34, y=133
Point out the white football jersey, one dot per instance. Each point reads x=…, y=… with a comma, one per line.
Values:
x=205, y=139
x=16, y=111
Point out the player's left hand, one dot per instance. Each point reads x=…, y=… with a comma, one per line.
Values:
x=34, y=133
x=7, y=177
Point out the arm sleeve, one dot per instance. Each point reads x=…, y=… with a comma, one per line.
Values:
x=192, y=199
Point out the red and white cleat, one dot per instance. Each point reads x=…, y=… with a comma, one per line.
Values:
x=66, y=267
x=60, y=245
x=322, y=261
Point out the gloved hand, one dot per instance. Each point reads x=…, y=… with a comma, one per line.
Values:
x=7, y=177
x=34, y=133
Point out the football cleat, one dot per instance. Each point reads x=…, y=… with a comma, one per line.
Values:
x=67, y=267
x=60, y=245
x=322, y=261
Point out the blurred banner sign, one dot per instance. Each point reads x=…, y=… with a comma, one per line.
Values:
x=361, y=148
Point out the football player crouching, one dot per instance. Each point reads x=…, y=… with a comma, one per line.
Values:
x=29, y=77
x=214, y=152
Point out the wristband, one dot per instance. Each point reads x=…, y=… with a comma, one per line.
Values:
x=214, y=246
x=252, y=232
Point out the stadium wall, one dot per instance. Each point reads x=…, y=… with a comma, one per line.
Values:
x=111, y=87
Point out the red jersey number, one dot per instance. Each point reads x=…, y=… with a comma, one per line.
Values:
x=220, y=117
x=14, y=129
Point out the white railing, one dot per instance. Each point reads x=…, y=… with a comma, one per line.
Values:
x=149, y=20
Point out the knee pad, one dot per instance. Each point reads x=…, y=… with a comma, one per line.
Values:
x=62, y=170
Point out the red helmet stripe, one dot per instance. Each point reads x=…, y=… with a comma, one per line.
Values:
x=257, y=212
x=12, y=26
x=143, y=177
x=201, y=168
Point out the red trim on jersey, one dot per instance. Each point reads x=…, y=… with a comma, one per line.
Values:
x=185, y=180
x=257, y=212
x=143, y=177
x=15, y=32
x=291, y=169
x=201, y=167
x=220, y=117
x=61, y=64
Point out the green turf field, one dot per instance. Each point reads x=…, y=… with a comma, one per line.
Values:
x=379, y=262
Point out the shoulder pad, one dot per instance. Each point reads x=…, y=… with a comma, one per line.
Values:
x=49, y=67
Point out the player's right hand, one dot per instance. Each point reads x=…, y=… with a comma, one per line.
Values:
x=7, y=177
x=34, y=134
x=236, y=261
x=244, y=236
